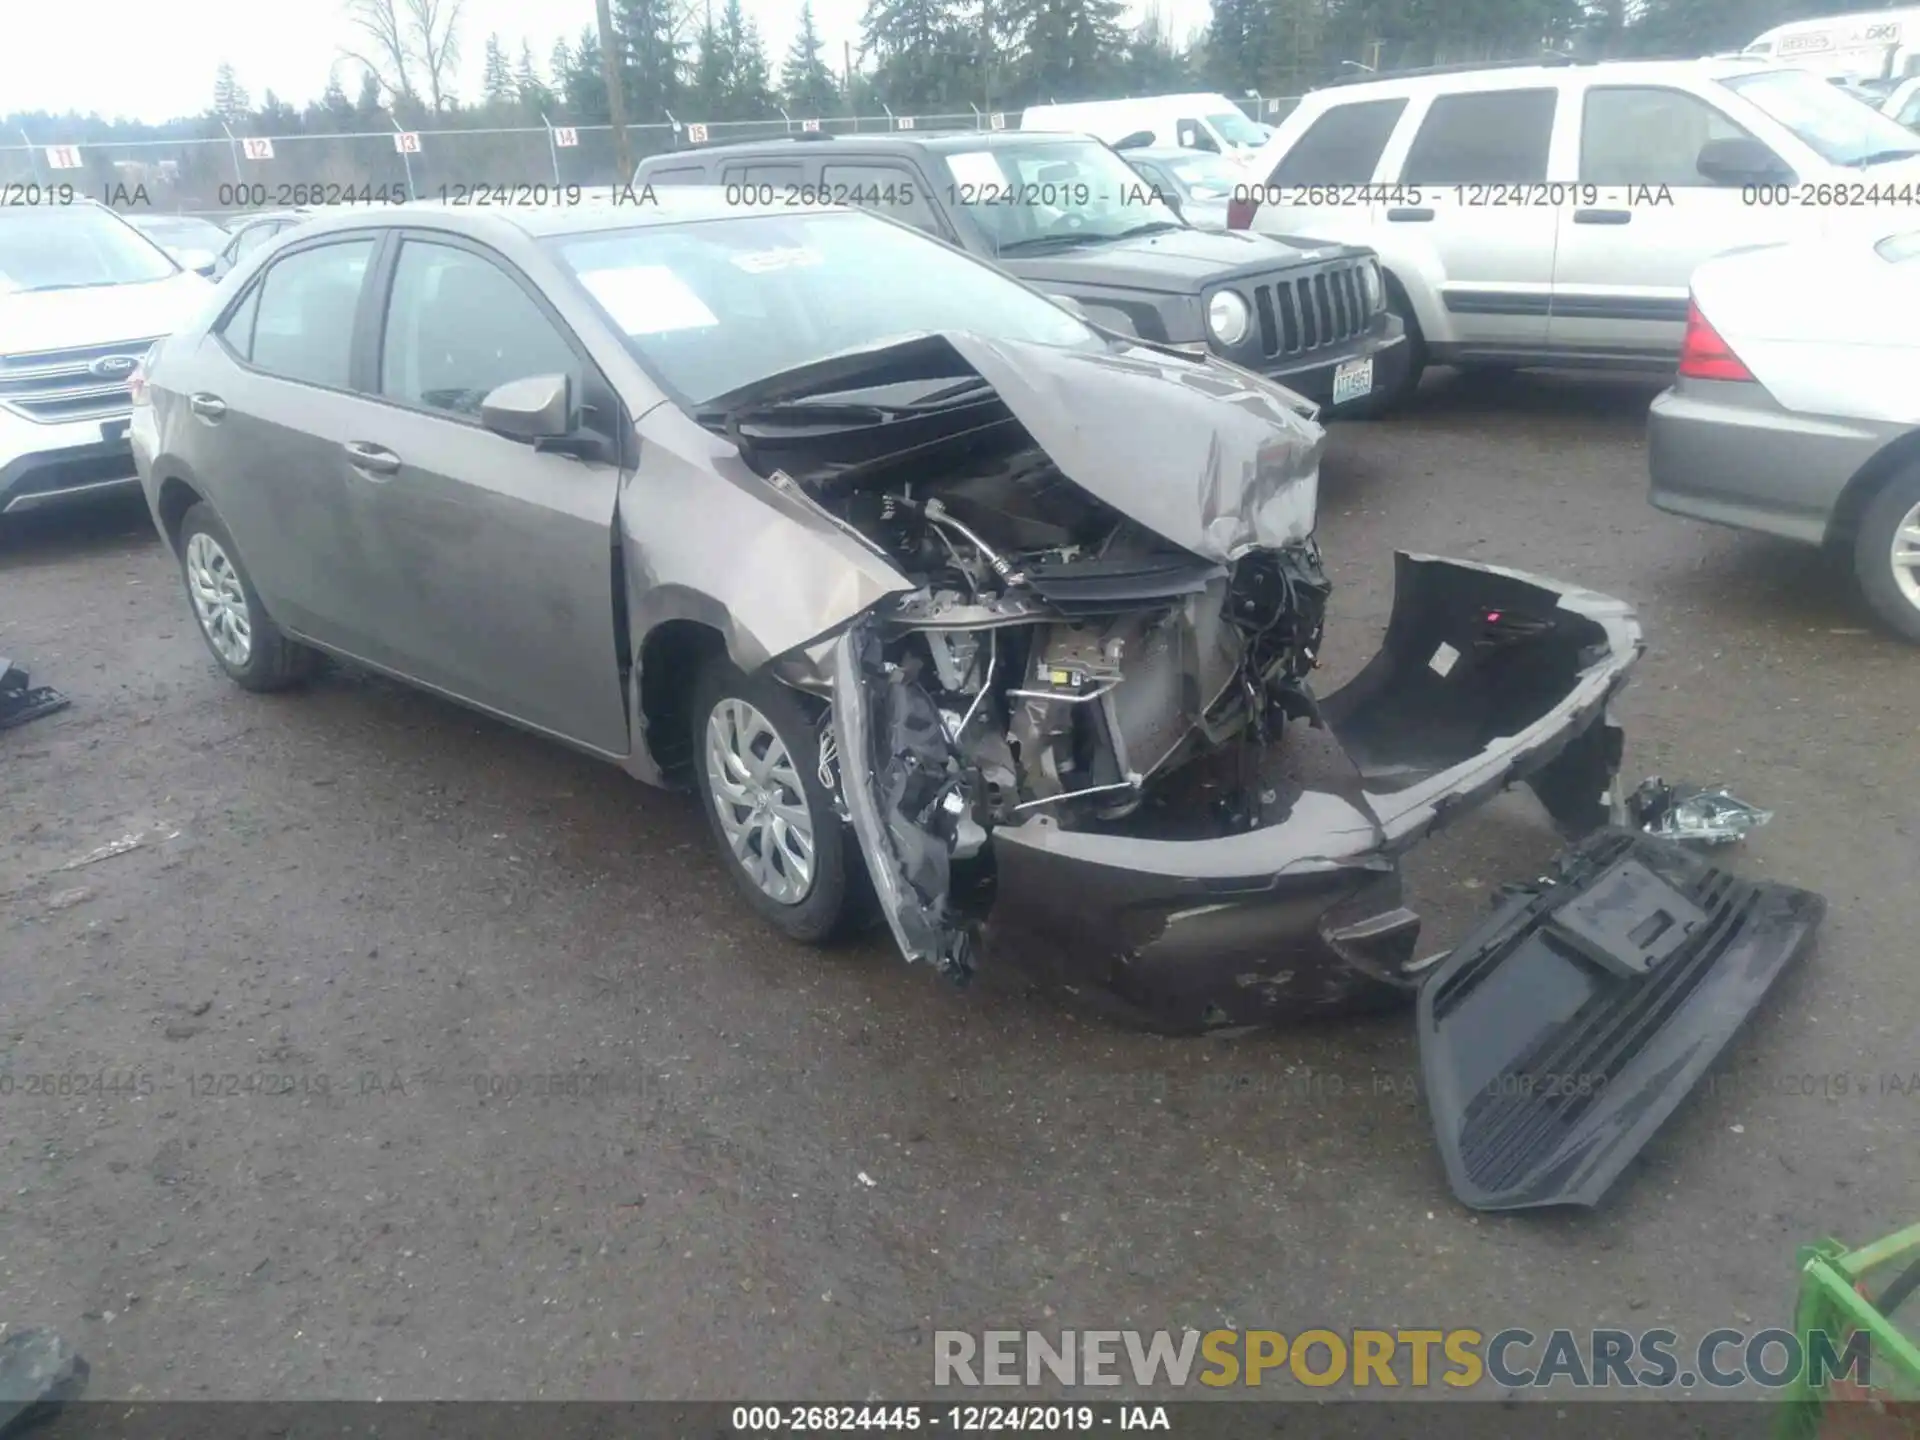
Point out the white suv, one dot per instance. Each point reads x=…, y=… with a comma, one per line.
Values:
x=82, y=296
x=1553, y=214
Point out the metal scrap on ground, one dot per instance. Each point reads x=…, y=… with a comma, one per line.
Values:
x=21, y=701
x=1693, y=813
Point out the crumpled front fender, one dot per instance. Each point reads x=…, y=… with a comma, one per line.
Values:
x=1486, y=677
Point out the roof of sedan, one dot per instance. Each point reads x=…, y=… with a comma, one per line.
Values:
x=598, y=207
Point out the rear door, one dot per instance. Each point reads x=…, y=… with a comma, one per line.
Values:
x=487, y=565
x=1643, y=219
x=1479, y=161
x=1334, y=160
x=269, y=396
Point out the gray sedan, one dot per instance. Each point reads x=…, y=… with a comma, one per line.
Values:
x=950, y=607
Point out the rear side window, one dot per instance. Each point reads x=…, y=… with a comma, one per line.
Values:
x=776, y=175
x=304, y=326
x=677, y=175
x=1342, y=147
x=1497, y=137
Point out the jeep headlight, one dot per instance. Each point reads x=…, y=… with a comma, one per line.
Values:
x=1372, y=287
x=1227, y=317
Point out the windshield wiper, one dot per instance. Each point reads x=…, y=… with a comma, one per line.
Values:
x=802, y=410
x=1152, y=227
x=1055, y=242
x=74, y=285
x=1881, y=157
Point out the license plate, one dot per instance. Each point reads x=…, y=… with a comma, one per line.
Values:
x=1353, y=380
x=111, y=430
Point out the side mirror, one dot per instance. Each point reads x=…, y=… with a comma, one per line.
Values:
x=1071, y=306
x=1170, y=198
x=208, y=268
x=1739, y=160
x=539, y=407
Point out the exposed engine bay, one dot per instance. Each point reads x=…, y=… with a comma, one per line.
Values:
x=1054, y=662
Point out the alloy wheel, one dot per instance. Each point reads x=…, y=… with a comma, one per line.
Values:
x=218, y=600
x=1905, y=556
x=756, y=790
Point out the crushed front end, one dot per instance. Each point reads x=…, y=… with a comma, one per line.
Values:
x=1144, y=803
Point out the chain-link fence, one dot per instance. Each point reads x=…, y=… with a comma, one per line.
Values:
x=230, y=174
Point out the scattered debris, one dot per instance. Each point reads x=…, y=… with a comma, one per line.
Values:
x=38, y=1370
x=105, y=852
x=867, y=1180
x=67, y=899
x=21, y=701
x=1693, y=813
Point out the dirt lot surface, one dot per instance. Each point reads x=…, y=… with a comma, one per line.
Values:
x=455, y=1070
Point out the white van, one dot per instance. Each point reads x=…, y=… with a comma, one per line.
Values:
x=1162, y=122
x=1870, y=45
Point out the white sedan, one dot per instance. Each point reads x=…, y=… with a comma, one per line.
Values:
x=1797, y=403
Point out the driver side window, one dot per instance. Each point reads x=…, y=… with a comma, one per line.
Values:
x=457, y=325
x=1193, y=136
x=1646, y=135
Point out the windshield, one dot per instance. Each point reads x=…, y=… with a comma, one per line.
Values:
x=1204, y=177
x=183, y=230
x=1053, y=195
x=65, y=247
x=1238, y=131
x=1833, y=124
x=716, y=305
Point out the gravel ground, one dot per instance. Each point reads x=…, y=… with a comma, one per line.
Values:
x=771, y=1171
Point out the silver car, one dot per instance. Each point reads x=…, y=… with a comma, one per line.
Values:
x=1794, y=411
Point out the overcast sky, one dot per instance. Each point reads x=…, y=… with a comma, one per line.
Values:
x=153, y=61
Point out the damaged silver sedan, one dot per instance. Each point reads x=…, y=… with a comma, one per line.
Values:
x=950, y=606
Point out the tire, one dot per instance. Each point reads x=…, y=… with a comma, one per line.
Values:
x=1892, y=510
x=825, y=907
x=264, y=659
x=1384, y=402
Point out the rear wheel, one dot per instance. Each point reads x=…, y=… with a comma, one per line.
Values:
x=1886, y=554
x=233, y=622
x=756, y=763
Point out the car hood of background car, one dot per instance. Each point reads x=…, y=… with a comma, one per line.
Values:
x=1208, y=456
x=1173, y=262
x=36, y=320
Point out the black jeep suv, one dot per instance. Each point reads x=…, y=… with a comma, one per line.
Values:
x=1068, y=216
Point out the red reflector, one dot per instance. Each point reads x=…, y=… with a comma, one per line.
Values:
x=1240, y=209
x=1704, y=355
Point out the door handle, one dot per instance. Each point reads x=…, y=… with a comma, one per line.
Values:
x=373, y=459
x=1602, y=217
x=1414, y=212
x=207, y=407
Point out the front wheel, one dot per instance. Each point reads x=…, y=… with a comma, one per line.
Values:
x=756, y=765
x=233, y=622
x=1886, y=554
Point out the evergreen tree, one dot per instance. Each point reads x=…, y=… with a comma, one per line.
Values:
x=749, y=87
x=583, y=86
x=805, y=79
x=230, y=98
x=926, y=54
x=528, y=88
x=1070, y=49
x=1154, y=65
x=366, y=106
x=496, y=77
x=654, y=56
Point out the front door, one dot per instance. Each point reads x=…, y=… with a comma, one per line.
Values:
x=490, y=563
x=1623, y=263
x=1478, y=161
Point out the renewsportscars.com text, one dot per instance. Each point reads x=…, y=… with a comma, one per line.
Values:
x=1406, y=1359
